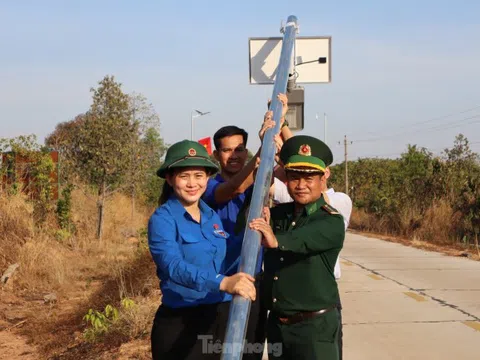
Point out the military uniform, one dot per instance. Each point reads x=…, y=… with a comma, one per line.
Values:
x=299, y=284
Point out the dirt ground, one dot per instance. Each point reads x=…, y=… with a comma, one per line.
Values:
x=13, y=347
x=25, y=332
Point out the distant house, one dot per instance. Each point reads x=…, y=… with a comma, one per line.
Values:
x=18, y=169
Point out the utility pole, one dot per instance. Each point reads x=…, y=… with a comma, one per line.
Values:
x=345, y=144
x=346, y=164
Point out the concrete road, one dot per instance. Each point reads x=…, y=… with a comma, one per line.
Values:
x=404, y=303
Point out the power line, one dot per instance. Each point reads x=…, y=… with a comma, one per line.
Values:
x=441, y=127
x=379, y=156
x=443, y=117
x=431, y=129
x=403, y=152
x=432, y=119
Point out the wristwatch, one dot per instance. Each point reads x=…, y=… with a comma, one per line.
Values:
x=285, y=123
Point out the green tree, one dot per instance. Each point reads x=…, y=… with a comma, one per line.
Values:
x=462, y=184
x=416, y=165
x=115, y=146
x=102, y=147
x=64, y=139
x=154, y=149
x=146, y=151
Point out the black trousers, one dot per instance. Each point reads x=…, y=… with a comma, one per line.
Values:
x=198, y=332
x=187, y=332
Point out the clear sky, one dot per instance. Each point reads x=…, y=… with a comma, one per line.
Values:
x=398, y=68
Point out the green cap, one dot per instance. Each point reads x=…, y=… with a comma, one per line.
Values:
x=186, y=153
x=305, y=153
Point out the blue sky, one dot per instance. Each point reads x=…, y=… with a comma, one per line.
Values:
x=398, y=68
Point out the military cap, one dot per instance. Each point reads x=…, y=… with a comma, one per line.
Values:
x=305, y=153
x=186, y=153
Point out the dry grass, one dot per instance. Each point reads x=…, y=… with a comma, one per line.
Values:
x=44, y=265
x=49, y=263
x=438, y=223
x=16, y=227
x=83, y=271
x=363, y=221
x=432, y=230
x=136, y=321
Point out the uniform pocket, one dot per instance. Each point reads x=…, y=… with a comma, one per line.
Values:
x=326, y=326
x=190, y=238
x=196, y=250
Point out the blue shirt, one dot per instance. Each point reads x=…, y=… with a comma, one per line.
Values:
x=189, y=255
x=228, y=213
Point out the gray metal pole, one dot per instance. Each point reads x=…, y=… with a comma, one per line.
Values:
x=240, y=307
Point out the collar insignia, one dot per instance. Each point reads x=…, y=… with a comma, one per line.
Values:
x=328, y=208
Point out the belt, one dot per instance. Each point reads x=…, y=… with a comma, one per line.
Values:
x=301, y=316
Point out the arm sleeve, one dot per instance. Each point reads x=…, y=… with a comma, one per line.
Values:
x=314, y=237
x=168, y=257
x=281, y=194
x=209, y=195
x=343, y=204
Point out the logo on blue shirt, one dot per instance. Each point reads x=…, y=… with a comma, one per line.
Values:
x=219, y=231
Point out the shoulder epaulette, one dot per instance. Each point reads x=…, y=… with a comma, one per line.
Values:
x=330, y=209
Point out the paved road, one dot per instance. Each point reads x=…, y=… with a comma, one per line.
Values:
x=404, y=303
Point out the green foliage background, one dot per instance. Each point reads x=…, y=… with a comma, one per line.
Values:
x=398, y=195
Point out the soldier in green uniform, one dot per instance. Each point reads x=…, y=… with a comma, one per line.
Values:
x=302, y=240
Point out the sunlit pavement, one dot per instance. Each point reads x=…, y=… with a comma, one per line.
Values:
x=404, y=303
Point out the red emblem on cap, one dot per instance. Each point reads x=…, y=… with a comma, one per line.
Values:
x=215, y=226
x=192, y=152
x=305, y=150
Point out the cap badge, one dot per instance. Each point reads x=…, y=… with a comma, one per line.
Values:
x=192, y=152
x=305, y=150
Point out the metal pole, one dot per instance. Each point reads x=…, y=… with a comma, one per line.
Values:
x=240, y=307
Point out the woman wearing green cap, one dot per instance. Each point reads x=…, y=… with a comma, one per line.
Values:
x=188, y=244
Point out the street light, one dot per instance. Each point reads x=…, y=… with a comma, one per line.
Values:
x=295, y=113
x=198, y=114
